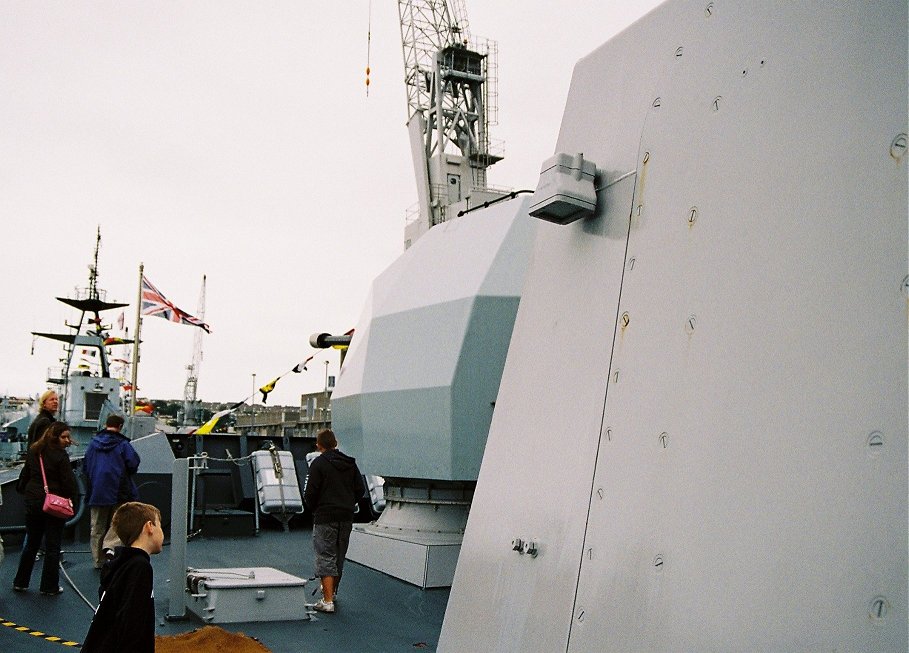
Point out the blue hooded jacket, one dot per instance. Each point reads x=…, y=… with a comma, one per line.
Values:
x=110, y=462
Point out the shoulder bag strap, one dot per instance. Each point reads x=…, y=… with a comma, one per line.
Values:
x=41, y=462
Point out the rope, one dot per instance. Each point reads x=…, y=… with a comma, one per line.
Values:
x=73, y=585
x=279, y=474
x=230, y=459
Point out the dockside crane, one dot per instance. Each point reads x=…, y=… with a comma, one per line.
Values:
x=450, y=80
x=191, y=407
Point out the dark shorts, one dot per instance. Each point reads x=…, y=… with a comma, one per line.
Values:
x=330, y=544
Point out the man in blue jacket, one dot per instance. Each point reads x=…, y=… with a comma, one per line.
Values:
x=110, y=462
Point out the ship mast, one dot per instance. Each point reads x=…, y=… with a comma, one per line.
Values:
x=86, y=395
x=87, y=300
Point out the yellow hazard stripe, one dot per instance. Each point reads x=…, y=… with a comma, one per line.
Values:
x=36, y=633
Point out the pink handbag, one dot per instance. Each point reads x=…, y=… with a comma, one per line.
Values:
x=54, y=505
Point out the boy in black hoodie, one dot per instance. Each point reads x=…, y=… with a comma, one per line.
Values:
x=125, y=619
x=333, y=487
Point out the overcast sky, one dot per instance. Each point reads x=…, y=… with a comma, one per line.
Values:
x=234, y=140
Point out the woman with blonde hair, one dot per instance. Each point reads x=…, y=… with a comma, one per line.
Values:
x=48, y=452
x=48, y=403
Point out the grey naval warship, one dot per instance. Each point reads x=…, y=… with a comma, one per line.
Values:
x=660, y=402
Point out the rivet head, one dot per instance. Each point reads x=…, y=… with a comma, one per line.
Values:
x=708, y=10
x=905, y=285
x=579, y=615
x=664, y=439
x=626, y=319
x=601, y=493
x=717, y=101
x=656, y=103
x=898, y=147
x=646, y=157
x=878, y=608
x=658, y=562
x=615, y=376
x=679, y=51
x=609, y=435
x=692, y=215
x=629, y=265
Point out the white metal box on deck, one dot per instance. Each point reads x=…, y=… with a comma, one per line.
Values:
x=276, y=482
x=425, y=560
x=233, y=594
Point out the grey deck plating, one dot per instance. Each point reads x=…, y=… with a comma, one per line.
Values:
x=375, y=612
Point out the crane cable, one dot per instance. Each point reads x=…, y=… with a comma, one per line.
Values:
x=368, y=45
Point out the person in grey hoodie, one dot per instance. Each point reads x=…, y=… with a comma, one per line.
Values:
x=333, y=487
x=110, y=462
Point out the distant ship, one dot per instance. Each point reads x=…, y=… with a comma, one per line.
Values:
x=88, y=392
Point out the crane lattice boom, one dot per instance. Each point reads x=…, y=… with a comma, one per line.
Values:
x=450, y=83
x=190, y=403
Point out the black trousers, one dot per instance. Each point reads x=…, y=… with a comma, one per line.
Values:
x=40, y=526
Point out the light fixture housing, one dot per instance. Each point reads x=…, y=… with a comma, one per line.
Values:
x=566, y=191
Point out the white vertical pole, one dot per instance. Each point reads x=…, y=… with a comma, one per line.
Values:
x=137, y=334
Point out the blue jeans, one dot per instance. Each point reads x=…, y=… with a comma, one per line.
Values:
x=40, y=526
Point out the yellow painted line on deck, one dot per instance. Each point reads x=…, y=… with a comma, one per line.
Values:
x=37, y=633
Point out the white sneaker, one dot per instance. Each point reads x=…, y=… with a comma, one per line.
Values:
x=324, y=606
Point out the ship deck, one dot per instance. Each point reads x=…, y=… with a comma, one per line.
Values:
x=375, y=612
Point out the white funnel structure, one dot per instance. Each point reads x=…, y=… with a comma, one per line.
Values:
x=702, y=421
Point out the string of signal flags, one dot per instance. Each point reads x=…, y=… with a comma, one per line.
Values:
x=209, y=426
x=153, y=302
x=322, y=341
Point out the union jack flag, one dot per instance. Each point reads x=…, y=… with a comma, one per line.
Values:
x=154, y=303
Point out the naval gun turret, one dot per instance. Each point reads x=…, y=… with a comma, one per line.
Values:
x=416, y=393
x=417, y=390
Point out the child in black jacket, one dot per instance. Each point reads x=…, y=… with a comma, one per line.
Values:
x=125, y=619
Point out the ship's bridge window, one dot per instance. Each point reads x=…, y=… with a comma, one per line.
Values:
x=94, y=401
